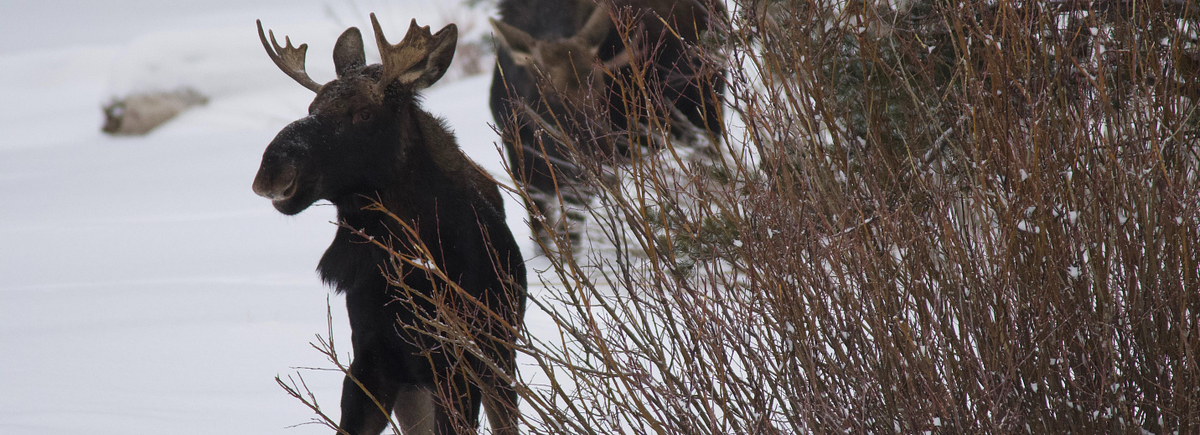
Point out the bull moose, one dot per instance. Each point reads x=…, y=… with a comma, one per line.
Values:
x=391, y=168
x=563, y=72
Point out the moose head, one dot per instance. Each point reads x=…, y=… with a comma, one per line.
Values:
x=347, y=143
x=570, y=67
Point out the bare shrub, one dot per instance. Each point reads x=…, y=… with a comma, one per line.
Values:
x=137, y=114
x=950, y=217
x=954, y=217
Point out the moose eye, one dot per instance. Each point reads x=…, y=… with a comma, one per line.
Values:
x=362, y=116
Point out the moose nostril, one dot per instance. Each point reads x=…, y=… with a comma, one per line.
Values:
x=275, y=184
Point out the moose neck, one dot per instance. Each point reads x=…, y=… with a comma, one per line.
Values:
x=412, y=183
x=420, y=190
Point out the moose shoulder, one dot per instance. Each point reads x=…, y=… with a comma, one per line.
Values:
x=391, y=168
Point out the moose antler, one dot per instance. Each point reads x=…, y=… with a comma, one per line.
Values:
x=287, y=58
x=416, y=56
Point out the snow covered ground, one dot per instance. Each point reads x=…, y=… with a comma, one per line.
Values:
x=143, y=287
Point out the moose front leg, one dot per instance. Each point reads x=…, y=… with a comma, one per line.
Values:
x=364, y=414
x=415, y=406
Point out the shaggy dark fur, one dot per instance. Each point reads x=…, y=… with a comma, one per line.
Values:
x=366, y=139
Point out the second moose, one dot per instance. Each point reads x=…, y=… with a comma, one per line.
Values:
x=568, y=86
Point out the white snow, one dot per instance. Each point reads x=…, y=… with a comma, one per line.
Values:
x=143, y=287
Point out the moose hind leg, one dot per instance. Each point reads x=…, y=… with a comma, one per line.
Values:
x=457, y=405
x=499, y=394
x=500, y=404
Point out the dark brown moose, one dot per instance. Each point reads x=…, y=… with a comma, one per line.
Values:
x=561, y=67
x=367, y=146
x=548, y=86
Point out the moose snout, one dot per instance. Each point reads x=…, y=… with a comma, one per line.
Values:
x=286, y=175
x=275, y=182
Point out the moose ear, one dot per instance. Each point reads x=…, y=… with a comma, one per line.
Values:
x=516, y=41
x=348, y=54
x=596, y=29
x=441, y=52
